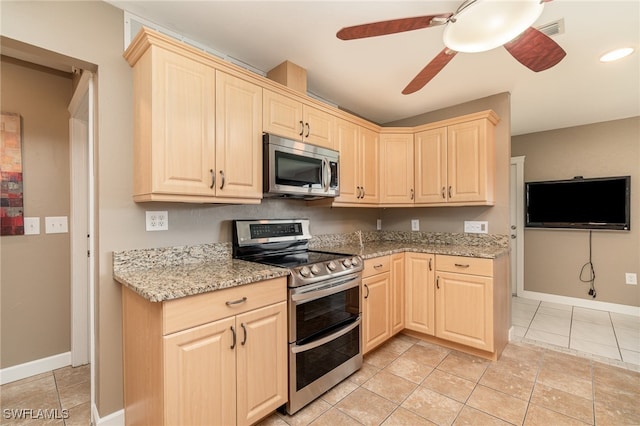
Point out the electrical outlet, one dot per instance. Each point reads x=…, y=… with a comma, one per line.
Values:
x=157, y=221
x=31, y=225
x=631, y=278
x=415, y=224
x=476, y=227
x=379, y=224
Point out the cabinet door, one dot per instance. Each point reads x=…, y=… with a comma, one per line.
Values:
x=319, y=127
x=282, y=115
x=347, y=143
x=370, y=165
x=238, y=138
x=467, y=161
x=182, y=133
x=200, y=375
x=376, y=310
x=261, y=362
x=430, y=162
x=396, y=169
x=464, y=306
x=419, y=291
x=397, y=293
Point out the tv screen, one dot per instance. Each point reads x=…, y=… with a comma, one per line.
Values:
x=595, y=203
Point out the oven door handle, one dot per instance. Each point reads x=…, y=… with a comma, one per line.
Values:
x=297, y=349
x=313, y=294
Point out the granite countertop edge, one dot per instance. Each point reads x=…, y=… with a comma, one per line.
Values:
x=161, y=282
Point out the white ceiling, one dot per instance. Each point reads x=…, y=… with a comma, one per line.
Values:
x=367, y=76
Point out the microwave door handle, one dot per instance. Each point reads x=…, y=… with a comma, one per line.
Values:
x=327, y=174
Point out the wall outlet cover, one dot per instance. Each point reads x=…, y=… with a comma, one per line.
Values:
x=157, y=220
x=476, y=226
x=56, y=225
x=379, y=224
x=415, y=224
x=31, y=225
x=631, y=278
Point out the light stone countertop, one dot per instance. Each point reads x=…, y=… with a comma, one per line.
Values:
x=174, y=272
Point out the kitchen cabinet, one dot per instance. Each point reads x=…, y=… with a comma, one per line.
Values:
x=359, y=168
x=419, y=290
x=396, y=169
x=214, y=358
x=455, y=163
x=197, y=130
x=291, y=118
x=397, y=292
x=376, y=306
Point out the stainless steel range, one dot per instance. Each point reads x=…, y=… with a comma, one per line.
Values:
x=325, y=339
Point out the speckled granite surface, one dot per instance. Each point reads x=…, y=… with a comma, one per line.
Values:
x=174, y=272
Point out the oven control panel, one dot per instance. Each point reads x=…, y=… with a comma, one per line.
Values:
x=308, y=274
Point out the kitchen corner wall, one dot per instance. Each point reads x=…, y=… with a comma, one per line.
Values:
x=553, y=258
x=451, y=219
x=35, y=280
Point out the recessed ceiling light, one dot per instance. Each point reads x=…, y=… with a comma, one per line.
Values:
x=616, y=54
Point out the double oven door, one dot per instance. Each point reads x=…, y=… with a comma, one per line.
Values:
x=325, y=338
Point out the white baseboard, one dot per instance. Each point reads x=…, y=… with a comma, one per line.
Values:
x=31, y=368
x=113, y=419
x=583, y=303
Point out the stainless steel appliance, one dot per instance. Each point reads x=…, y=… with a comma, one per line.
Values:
x=325, y=338
x=298, y=170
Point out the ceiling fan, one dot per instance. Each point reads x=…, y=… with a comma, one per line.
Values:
x=476, y=26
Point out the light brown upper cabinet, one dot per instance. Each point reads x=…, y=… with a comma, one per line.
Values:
x=197, y=130
x=290, y=118
x=455, y=162
x=396, y=169
x=359, y=172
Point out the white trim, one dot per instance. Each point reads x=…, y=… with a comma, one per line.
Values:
x=113, y=419
x=31, y=368
x=512, y=332
x=583, y=303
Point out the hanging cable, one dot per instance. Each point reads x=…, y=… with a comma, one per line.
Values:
x=591, y=278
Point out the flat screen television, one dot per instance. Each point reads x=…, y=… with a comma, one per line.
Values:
x=594, y=203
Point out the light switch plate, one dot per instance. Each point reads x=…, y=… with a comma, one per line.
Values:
x=631, y=278
x=379, y=224
x=31, y=225
x=56, y=225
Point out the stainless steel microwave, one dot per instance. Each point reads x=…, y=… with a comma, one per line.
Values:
x=298, y=170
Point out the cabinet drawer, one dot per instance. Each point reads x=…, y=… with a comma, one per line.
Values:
x=465, y=265
x=376, y=265
x=180, y=314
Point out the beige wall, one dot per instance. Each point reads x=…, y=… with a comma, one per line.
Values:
x=451, y=219
x=553, y=258
x=35, y=307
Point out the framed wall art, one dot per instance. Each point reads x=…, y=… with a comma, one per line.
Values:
x=11, y=191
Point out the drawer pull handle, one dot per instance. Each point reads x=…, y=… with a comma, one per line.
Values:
x=462, y=265
x=244, y=340
x=236, y=302
x=430, y=264
x=378, y=266
x=233, y=343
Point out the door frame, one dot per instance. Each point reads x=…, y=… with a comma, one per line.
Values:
x=82, y=227
x=516, y=204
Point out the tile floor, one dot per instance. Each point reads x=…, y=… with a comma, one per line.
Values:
x=60, y=397
x=410, y=382
x=605, y=336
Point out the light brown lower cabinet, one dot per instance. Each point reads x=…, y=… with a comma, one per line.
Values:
x=181, y=367
x=376, y=306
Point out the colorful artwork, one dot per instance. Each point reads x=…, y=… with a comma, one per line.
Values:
x=11, y=200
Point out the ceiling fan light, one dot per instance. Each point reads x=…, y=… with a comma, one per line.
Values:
x=481, y=25
x=616, y=54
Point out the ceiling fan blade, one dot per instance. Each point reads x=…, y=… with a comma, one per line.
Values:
x=535, y=50
x=391, y=27
x=428, y=72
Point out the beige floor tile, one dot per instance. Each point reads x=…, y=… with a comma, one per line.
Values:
x=399, y=345
x=617, y=402
x=365, y=373
x=616, y=378
x=339, y=391
x=408, y=368
x=76, y=394
x=540, y=416
x=472, y=417
x=380, y=357
x=463, y=365
x=498, y=404
x=524, y=352
x=307, y=414
x=28, y=396
x=563, y=403
x=428, y=353
x=366, y=406
x=80, y=415
x=272, y=420
x=404, y=417
x=449, y=385
x=335, y=417
x=504, y=381
x=432, y=406
x=567, y=363
x=565, y=381
x=69, y=376
x=390, y=386
x=516, y=367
